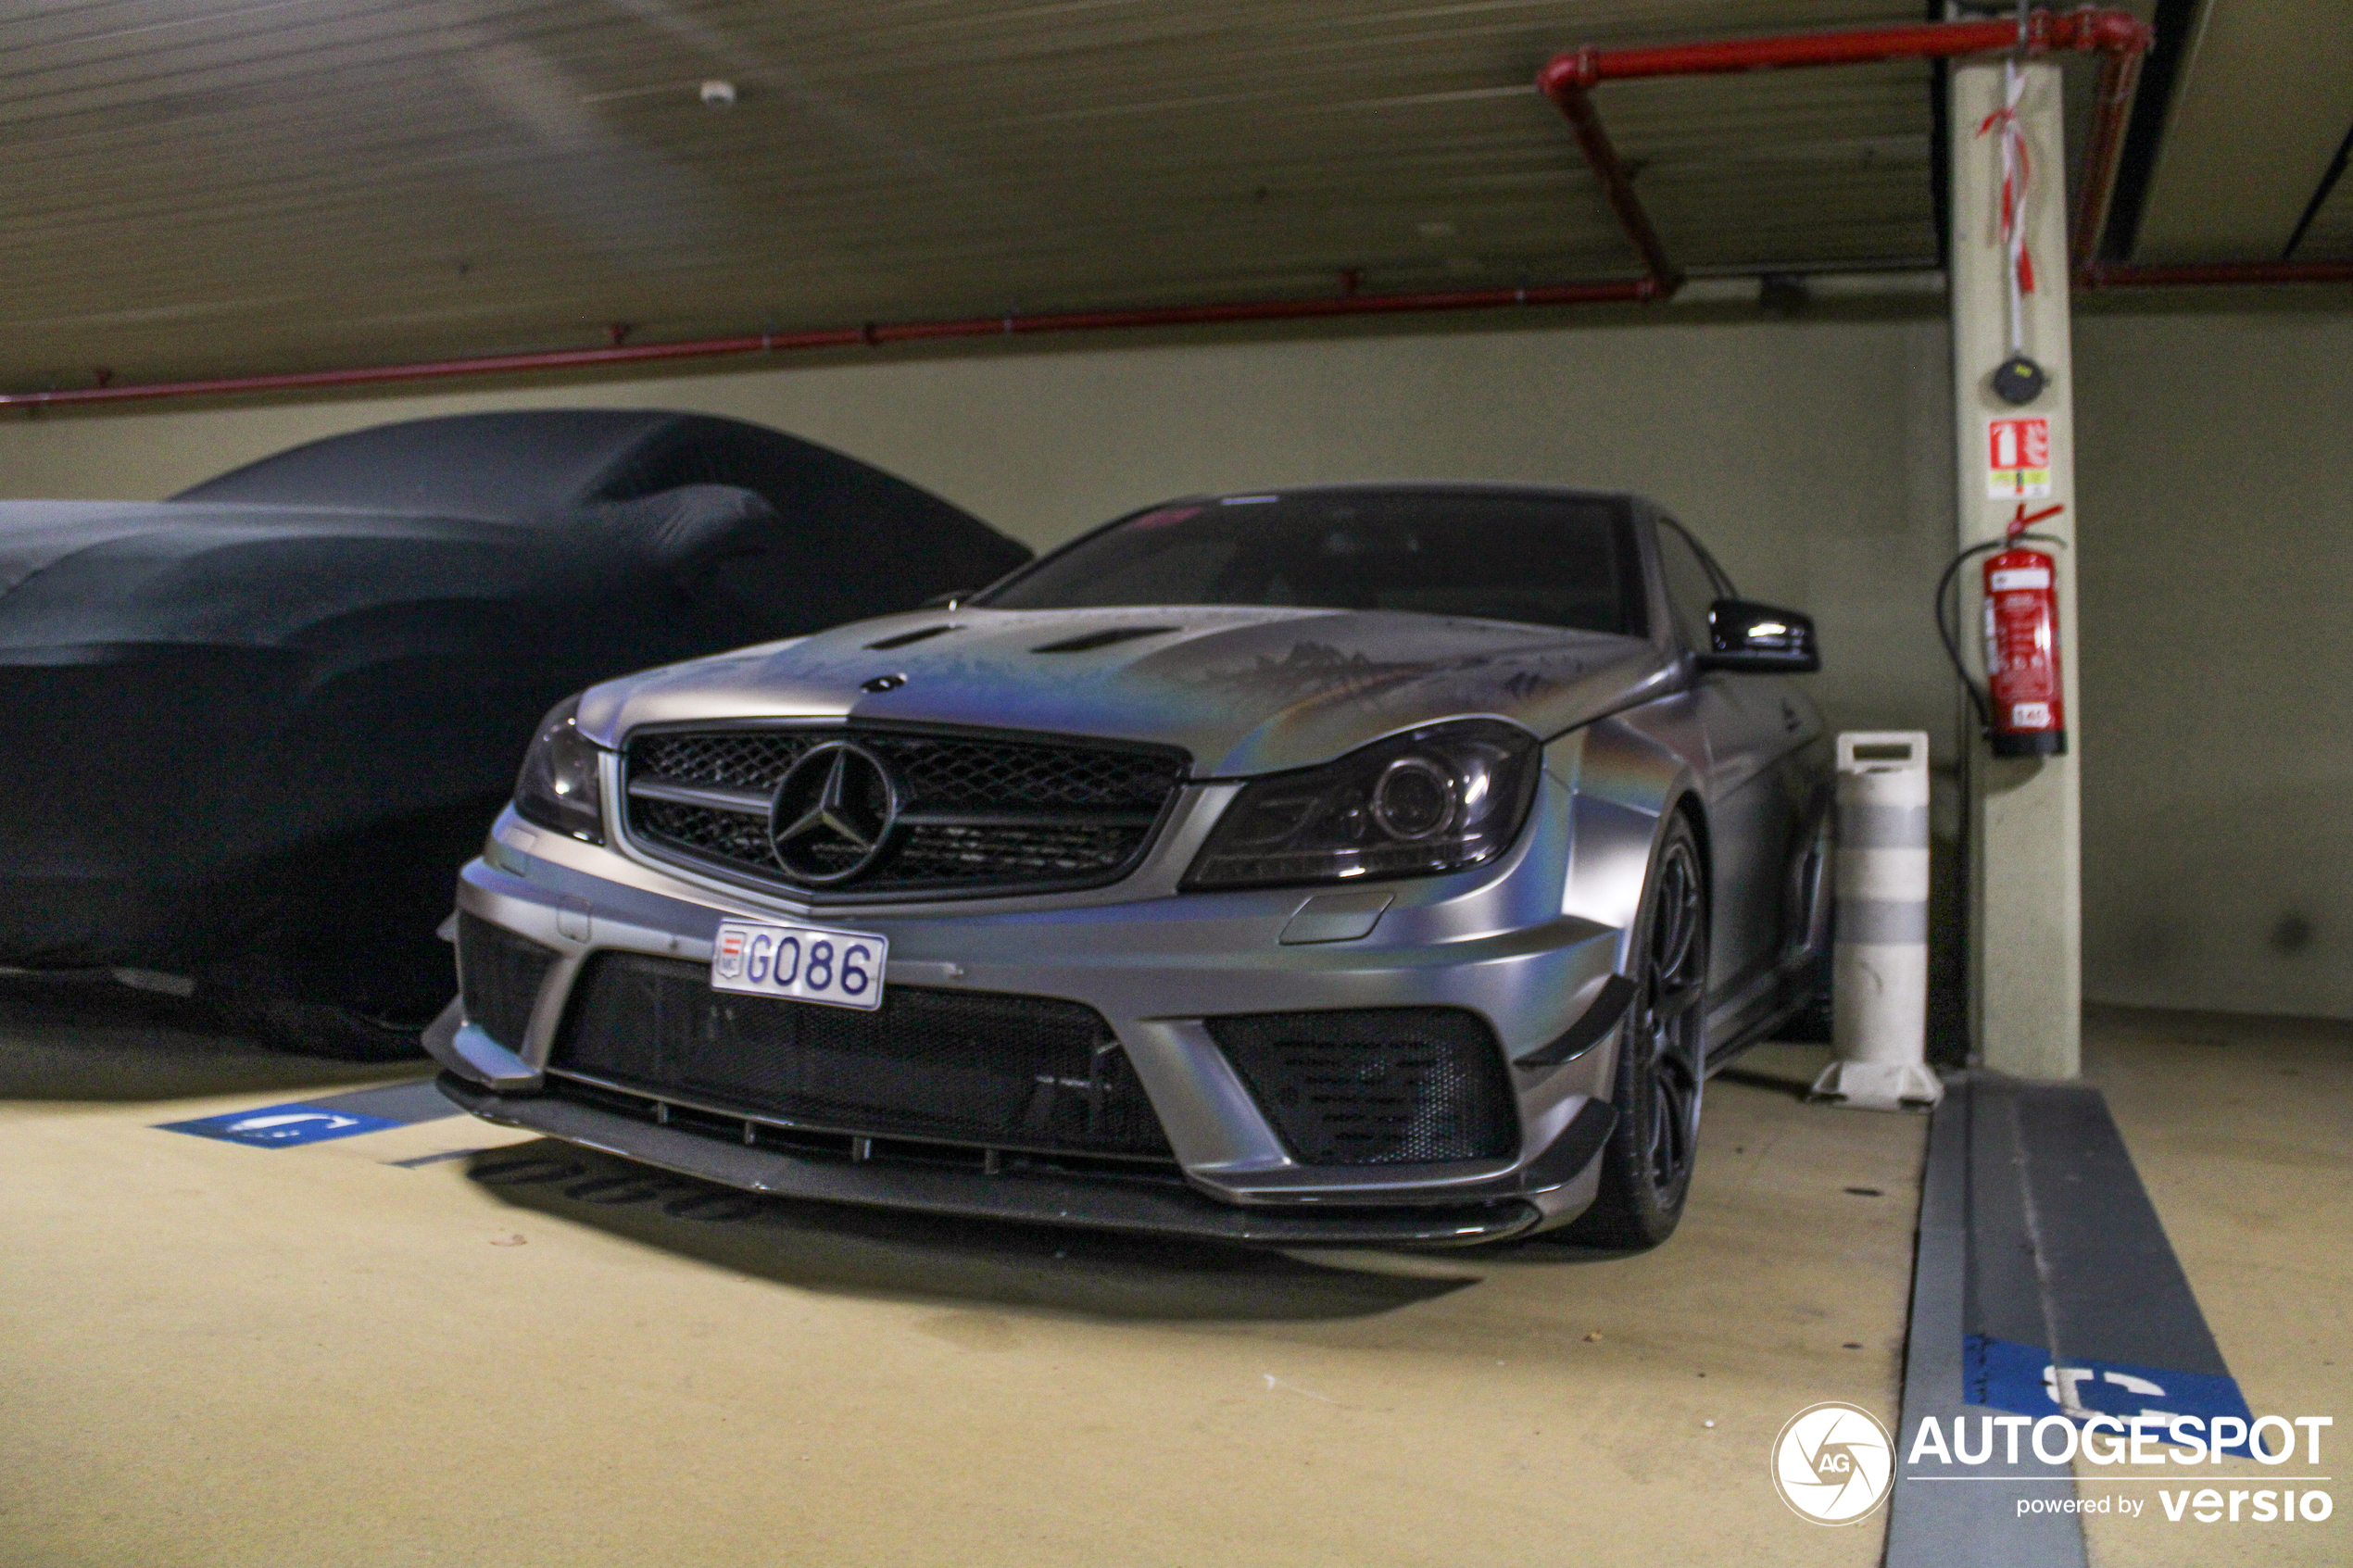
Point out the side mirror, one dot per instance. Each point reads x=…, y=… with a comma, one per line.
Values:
x=1759, y=639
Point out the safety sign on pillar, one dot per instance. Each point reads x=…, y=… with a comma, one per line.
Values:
x=2018, y=459
x=2013, y=406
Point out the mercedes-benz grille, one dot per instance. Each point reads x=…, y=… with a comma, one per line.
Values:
x=884, y=813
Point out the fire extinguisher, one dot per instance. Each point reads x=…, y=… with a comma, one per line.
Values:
x=2021, y=708
x=2021, y=655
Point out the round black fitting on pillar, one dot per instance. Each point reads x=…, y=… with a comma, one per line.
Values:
x=2019, y=380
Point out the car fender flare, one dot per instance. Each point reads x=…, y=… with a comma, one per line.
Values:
x=1625, y=787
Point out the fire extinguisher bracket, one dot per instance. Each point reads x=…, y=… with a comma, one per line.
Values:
x=2051, y=743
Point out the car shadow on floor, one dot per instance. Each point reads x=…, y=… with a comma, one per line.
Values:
x=81, y=1037
x=841, y=1249
x=1781, y=1067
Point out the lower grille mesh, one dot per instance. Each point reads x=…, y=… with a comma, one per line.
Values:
x=499, y=974
x=1006, y=1072
x=1378, y=1086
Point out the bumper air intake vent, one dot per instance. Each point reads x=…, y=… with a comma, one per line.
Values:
x=992, y=1071
x=1376, y=1086
x=499, y=974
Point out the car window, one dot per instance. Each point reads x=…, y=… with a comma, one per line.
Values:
x=1691, y=586
x=1173, y=575
x=1545, y=560
x=1724, y=587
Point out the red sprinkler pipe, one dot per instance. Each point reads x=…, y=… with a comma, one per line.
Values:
x=2121, y=37
x=872, y=335
x=2111, y=107
x=1617, y=186
x=2084, y=29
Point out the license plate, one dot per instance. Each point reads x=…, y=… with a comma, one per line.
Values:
x=808, y=964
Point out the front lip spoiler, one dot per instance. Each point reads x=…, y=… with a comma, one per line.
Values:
x=1032, y=1197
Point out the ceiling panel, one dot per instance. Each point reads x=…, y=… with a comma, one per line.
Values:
x=2330, y=235
x=206, y=186
x=2261, y=106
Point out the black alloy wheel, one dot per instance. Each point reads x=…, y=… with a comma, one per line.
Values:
x=1646, y=1165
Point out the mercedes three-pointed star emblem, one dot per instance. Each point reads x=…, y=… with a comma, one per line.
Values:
x=834, y=811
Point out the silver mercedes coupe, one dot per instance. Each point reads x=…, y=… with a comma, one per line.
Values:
x=1366, y=865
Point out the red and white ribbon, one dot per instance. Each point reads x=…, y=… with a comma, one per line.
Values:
x=2003, y=125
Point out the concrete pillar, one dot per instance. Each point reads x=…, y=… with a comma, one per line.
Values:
x=2023, y=817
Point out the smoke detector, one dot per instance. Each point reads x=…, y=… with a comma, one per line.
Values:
x=718, y=95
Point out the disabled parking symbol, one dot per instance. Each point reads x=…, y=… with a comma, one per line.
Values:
x=2024, y=1380
x=280, y=1126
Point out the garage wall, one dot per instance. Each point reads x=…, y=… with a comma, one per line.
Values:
x=1813, y=456
x=2216, y=467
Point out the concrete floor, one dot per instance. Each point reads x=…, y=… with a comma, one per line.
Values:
x=2242, y=1129
x=521, y=1354
x=223, y=1355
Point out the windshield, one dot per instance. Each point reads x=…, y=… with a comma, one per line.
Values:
x=1547, y=559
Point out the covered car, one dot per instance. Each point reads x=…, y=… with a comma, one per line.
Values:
x=248, y=734
x=1357, y=865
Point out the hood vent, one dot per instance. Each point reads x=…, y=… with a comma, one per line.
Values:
x=904, y=639
x=1094, y=640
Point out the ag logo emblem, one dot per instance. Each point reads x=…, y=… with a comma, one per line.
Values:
x=1833, y=1463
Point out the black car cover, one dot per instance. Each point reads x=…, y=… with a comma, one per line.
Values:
x=248, y=734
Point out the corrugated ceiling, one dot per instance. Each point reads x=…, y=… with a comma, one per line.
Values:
x=2261, y=108
x=2330, y=235
x=193, y=186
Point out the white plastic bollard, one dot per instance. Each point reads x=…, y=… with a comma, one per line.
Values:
x=1878, y=972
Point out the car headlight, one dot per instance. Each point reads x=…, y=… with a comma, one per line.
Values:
x=1437, y=799
x=560, y=787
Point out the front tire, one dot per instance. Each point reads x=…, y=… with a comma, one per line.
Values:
x=1646, y=1164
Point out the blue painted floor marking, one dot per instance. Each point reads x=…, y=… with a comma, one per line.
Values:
x=2023, y=1380
x=282, y=1126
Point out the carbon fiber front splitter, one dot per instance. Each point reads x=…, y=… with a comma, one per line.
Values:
x=1099, y=1203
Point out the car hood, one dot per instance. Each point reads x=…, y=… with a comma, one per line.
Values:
x=1243, y=690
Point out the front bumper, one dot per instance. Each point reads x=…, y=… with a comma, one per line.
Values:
x=1153, y=964
x=1160, y=1208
